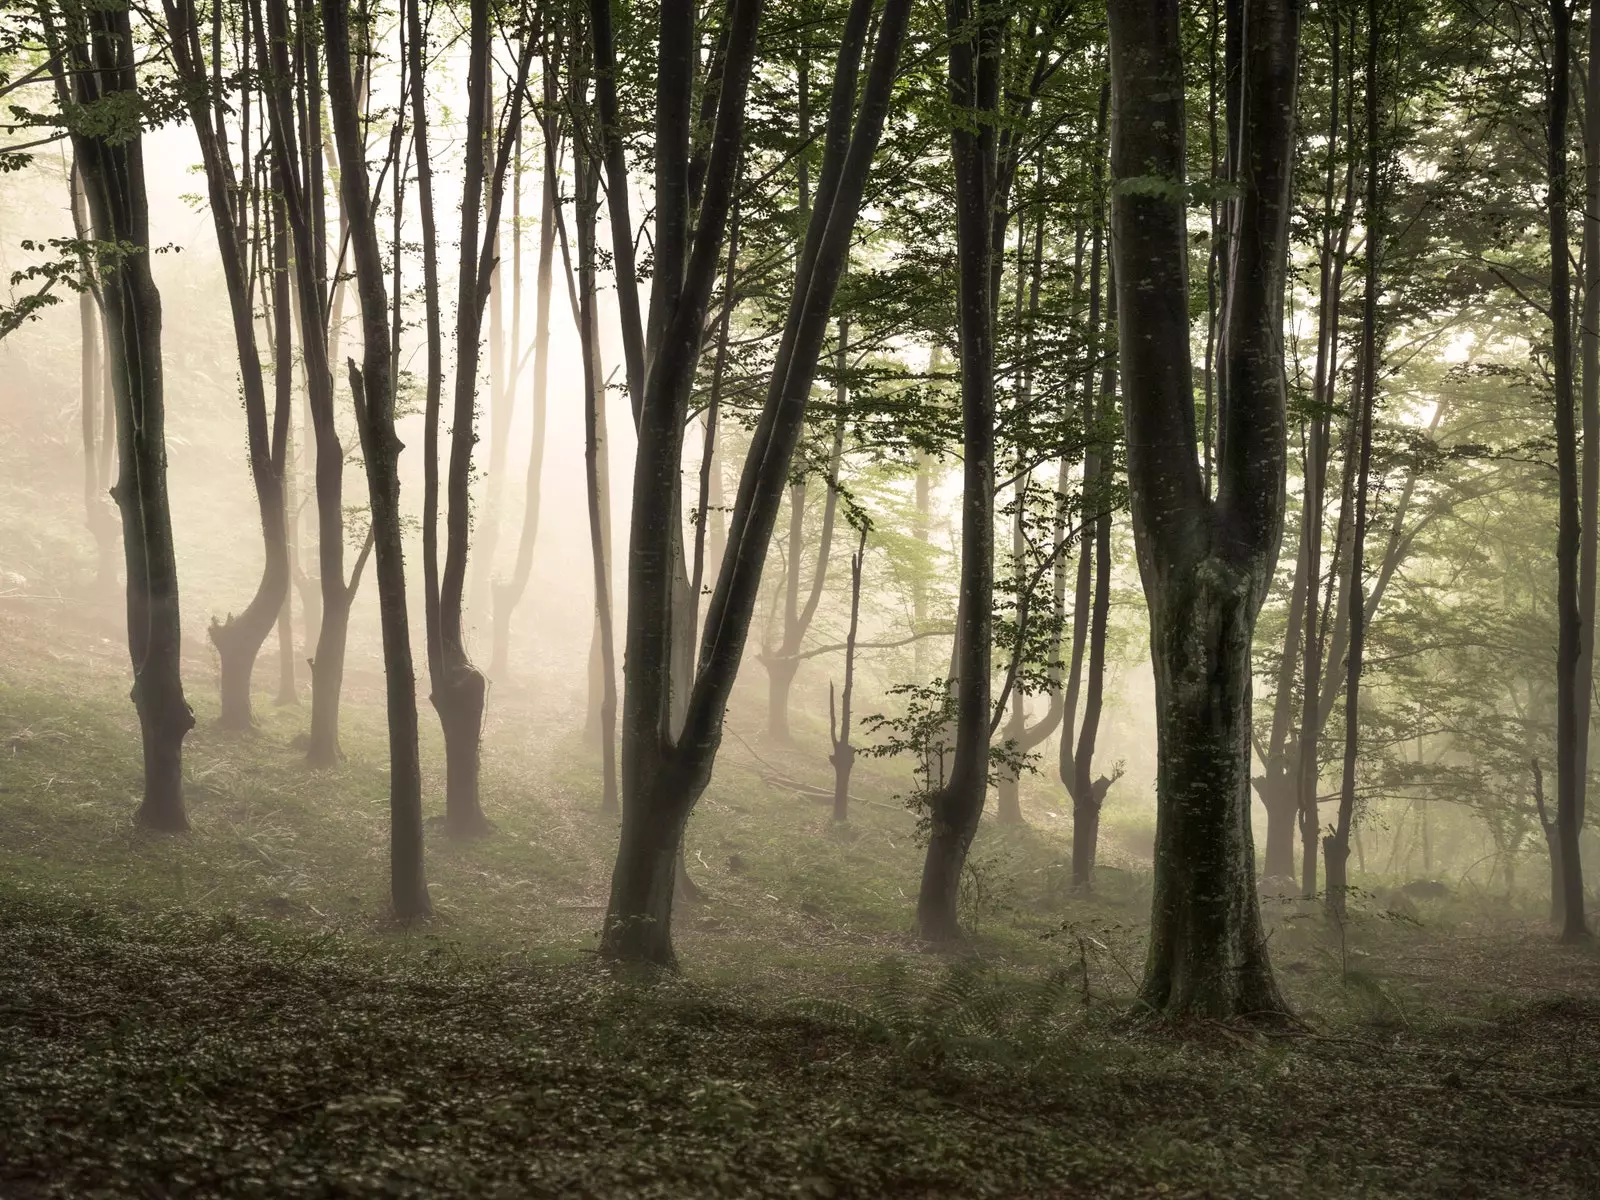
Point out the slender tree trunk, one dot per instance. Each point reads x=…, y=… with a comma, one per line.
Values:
x=296, y=145
x=975, y=28
x=1336, y=847
x=508, y=595
x=844, y=755
x=96, y=64
x=372, y=388
x=95, y=395
x=593, y=448
x=1206, y=563
x=1569, y=607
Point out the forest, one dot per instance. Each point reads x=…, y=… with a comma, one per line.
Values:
x=799, y=598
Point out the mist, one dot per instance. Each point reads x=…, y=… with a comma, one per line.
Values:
x=838, y=599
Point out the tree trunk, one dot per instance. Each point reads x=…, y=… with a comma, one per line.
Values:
x=509, y=594
x=372, y=389
x=98, y=59
x=95, y=394
x=663, y=774
x=1206, y=563
x=1336, y=847
x=1569, y=610
x=844, y=755
x=299, y=173
x=587, y=182
x=975, y=28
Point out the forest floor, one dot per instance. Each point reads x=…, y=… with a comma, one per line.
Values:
x=230, y=1013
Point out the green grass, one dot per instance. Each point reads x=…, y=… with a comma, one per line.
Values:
x=231, y=1012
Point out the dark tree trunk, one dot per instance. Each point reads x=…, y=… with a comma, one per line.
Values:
x=1206, y=564
x=372, y=388
x=238, y=639
x=975, y=28
x=663, y=774
x=95, y=65
x=297, y=154
x=1336, y=846
x=1569, y=614
x=459, y=688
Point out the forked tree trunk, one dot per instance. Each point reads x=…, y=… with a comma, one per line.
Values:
x=459, y=688
x=663, y=772
x=1206, y=564
x=372, y=389
x=300, y=177
x=239, y=639
x=94, y=59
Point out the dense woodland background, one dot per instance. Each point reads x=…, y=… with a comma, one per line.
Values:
x=1110, y=490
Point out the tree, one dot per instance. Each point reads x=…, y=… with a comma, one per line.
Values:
x=238, y=639
x=1336, y=847
x=1205, y=562
x=299, y=175
x=667, y=758
x=1570, y=765
x=97, y=86
x=372, y=388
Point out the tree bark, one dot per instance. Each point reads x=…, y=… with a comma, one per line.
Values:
x=1206, y=563
x=844, y=755
x=663, y=775
x=975, y=28
x=95, y=65
x=1569, y=610
x=372, y=388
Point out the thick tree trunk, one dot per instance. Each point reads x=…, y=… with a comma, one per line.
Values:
x=1206, y=563
x=1207, y=949
x=99, y=61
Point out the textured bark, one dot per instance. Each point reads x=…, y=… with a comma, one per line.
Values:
x=95, y=65
x=1206, y=563
x=1569, y=611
